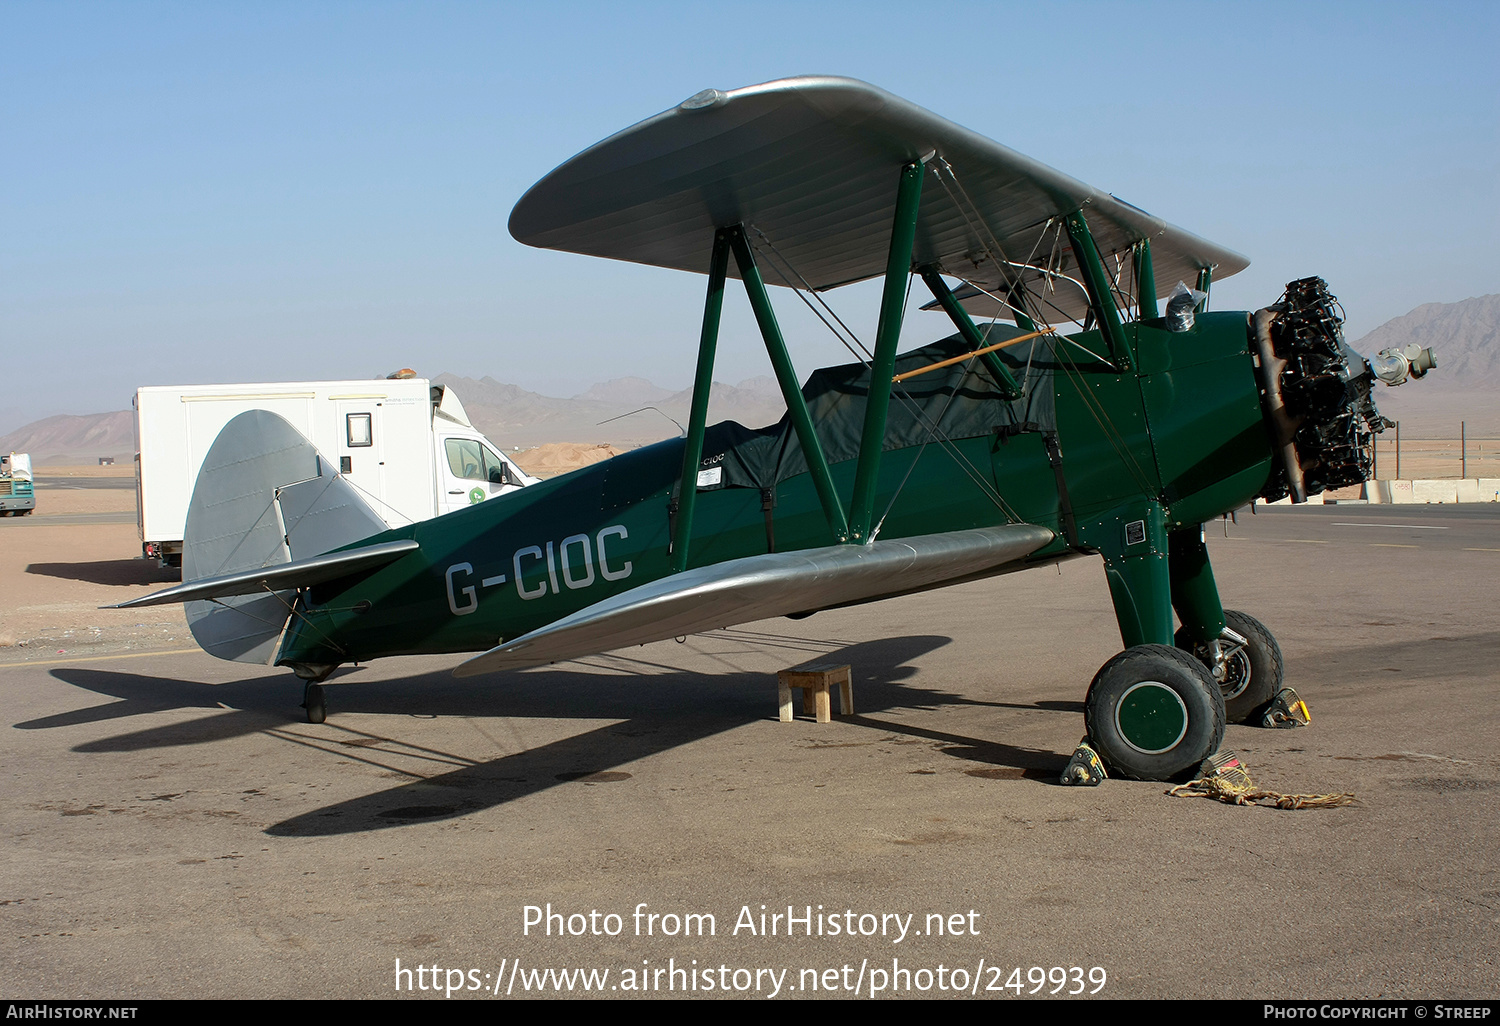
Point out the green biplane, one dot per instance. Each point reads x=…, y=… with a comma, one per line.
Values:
x=1006, y=445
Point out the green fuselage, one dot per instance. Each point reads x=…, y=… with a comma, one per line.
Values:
x=1178, y=439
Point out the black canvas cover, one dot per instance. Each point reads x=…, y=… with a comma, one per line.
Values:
x=960, y=401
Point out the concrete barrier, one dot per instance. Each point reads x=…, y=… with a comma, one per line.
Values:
x=1469, y=489
x=1434, y=491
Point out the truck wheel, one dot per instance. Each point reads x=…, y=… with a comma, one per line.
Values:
x=1255, y=670
x=1154, y=713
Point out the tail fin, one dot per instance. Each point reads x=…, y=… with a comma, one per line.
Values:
x=264, y=497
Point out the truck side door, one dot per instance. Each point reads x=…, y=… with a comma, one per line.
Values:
x=361, y=450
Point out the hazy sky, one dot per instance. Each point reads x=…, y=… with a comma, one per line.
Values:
x=279, y=191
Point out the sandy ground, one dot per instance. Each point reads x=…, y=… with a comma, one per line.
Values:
x=53, y=577
x=556, y=458
x=51, y=500
x=1437, y=457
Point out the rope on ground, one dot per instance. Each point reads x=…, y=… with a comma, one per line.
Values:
x=1243, y=792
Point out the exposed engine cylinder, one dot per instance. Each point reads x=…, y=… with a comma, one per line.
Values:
x=1316, y=392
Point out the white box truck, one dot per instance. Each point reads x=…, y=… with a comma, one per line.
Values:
x=17, y=497
x=406, y=444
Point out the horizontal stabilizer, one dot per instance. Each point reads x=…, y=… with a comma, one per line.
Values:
x=775, y=584
x=300, y=574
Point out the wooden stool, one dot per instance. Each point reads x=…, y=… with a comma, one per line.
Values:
x=814, y=680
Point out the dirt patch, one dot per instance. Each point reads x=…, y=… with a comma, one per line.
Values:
x=54, y=579
x=557, y=458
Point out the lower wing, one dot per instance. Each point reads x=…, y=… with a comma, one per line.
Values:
x=756, y=587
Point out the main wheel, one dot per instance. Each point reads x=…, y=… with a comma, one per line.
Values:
x=313, y=702
x=1154, y=713
x=1253, y=672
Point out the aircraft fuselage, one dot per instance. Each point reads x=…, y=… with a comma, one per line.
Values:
x=1133, y=457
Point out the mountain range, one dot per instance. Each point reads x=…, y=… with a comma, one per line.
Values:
x=628, y=412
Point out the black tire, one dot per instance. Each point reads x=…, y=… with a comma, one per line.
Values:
x=1255, y=672
x=314, y=703
x=1154, y=713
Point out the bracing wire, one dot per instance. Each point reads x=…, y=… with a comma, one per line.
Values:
x=788, y=273
x=1101, y=417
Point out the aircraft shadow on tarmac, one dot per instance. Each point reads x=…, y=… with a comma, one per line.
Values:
x=111, y=572
x=662, y=709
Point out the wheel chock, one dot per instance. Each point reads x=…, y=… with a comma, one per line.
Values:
x=1227, y=770
x=1286, y=710
x=1085, y=769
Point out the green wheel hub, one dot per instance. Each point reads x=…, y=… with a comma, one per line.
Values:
x=1151, y=717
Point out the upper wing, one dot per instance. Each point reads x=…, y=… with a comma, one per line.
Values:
x=753, y=588
x=812, y=163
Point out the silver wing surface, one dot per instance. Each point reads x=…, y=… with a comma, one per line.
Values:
x=809, y=165
x=756, y=587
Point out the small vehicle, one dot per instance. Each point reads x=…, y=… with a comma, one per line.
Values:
x=17, y=489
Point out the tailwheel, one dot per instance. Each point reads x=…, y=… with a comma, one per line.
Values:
x=313, y=702
x=1251, y=670
x=1154, y=713
x=314, y=674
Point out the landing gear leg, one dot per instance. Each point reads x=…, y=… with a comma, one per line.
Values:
x=1153, y=712
x=1239, y=652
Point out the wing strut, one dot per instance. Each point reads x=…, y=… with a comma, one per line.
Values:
x=1145, y=282
x=966, y=328
x=887, y=335
x=692, y=449
x=791, y=388
x=1100, y=296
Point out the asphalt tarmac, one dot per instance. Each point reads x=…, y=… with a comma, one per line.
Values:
x=113, y=483
x=35, y=519
x=174, y=828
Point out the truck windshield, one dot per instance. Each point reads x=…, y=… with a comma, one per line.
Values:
x=475, y=461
